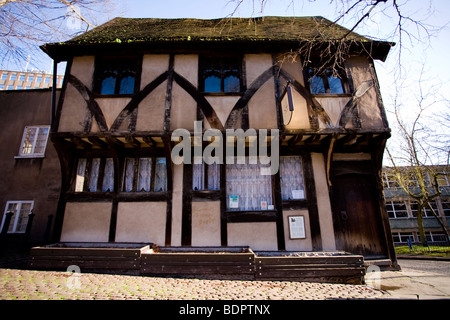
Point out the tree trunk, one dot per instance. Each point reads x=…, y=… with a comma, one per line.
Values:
x=423, y=238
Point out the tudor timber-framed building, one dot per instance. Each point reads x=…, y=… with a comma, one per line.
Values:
x=131, y=82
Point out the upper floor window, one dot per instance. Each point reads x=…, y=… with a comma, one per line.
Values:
x=34, y=141
x=221, y=74
x=325, y=81
x=115, y=76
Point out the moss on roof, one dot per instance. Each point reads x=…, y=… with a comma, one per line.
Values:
x=263, y=30
x=228, y=29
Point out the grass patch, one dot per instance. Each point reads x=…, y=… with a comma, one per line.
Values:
x=424, y=251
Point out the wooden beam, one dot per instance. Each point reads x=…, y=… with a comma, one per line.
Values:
x=98, y=142
x=133, y=142
x=81, y=143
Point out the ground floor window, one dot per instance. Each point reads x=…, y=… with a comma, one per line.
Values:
x=247, y=188
x=21, y=211
x=291, y=178
x=95, y=175
x=402, y=237
x=205, y=177
x=145, y=175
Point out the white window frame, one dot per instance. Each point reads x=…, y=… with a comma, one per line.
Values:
x=15, y=217
x=33, y=154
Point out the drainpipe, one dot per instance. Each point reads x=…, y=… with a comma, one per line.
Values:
x=55, y=80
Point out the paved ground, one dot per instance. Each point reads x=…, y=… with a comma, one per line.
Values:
x=411, y=283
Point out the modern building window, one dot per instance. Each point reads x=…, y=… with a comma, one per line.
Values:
x=221, y=74
x=34, y=141
x=205, y=177
x=427, y=210
x=248, y=188
x=446, y=208
x=22, y=77
x=443, y=179
x=325, y=82
x=396, y=209
x=4, y=76
x=21, y=211
x=390, y=181
x=291, y=178
x=145, y=175
x=402, y=237
x=116, y=76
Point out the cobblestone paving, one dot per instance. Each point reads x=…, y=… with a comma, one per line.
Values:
x=38, y=285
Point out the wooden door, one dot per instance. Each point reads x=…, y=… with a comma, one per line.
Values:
x=356, y=213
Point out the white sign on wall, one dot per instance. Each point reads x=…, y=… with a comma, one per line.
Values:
x=297, y=227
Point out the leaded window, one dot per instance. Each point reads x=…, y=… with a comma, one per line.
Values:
x=116, y=76
x=221, y=74
x=34, y=141
x=19, y=220
x=248, y=188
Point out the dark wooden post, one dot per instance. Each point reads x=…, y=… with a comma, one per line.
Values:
x=26, y=239
x=8, y=217
x=5, y=228
x=48, y=228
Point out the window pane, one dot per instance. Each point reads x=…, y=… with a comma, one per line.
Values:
x=81, y=174
x=128, y=175
x=22, y=77
x=198, y=176
x=41, y=140
x=317, y=85
x=93, y=179
x=30, y=135
x=127, y=85
x=160, y=175
x=335, y=85
x=213, y=177
x=22, y=219
x=212, y=84
x=400, y=209
x=12, y=207
x=108, y=178
x=247, y=189
x=446, y=207
x=232, y=84
x=145, y=170
x=291, y=177
x=108, y=85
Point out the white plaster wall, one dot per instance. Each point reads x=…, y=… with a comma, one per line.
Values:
x=73, y=113
x=186, y=65
x=86, y=222
x=151, y=110
x=206, y=223
x=141, y=222
x=297, y=244
x=177, y=204
x=323, y=202
x=153, y=65
x=369, y=110
x=83, y=69
x=257, y=235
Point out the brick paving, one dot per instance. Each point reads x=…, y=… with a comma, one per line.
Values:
x=18, y=284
